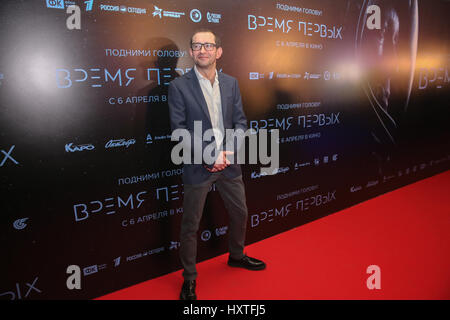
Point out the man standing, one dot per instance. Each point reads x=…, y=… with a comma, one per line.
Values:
x=213, y=98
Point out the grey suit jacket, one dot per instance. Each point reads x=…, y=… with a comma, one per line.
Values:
x=187, y=104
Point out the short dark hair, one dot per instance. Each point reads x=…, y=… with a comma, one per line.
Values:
x=216, y=37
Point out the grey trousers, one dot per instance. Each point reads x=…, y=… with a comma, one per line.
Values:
x=232, y=192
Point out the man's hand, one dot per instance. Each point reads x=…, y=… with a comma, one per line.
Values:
x=221, y=162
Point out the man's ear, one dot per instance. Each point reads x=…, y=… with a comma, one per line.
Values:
x=191, y=53
x=219, y=52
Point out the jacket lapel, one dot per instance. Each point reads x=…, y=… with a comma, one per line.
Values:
x=222, y=86
x=198, y=93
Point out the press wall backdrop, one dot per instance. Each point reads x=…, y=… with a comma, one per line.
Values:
x=359, y=91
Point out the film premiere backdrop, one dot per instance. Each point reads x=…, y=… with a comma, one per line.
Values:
x=86, y=175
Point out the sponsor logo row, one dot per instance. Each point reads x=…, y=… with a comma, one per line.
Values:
x=398, y=174
x=195, y=15
x=113, y=143
x=327, y=75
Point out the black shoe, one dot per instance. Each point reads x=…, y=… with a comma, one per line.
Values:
x=188, y=290
x=247, y=263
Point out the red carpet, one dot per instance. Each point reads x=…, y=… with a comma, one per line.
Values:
x=405, y=232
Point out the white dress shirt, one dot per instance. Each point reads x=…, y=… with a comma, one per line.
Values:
x=213, y=101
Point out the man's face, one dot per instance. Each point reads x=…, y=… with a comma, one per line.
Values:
x=204, y=58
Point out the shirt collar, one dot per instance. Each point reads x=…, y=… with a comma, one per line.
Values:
x=200, y=77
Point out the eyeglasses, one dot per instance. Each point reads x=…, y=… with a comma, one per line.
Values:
x=197, y=46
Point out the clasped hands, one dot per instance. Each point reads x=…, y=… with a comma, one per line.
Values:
x=221, y=162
